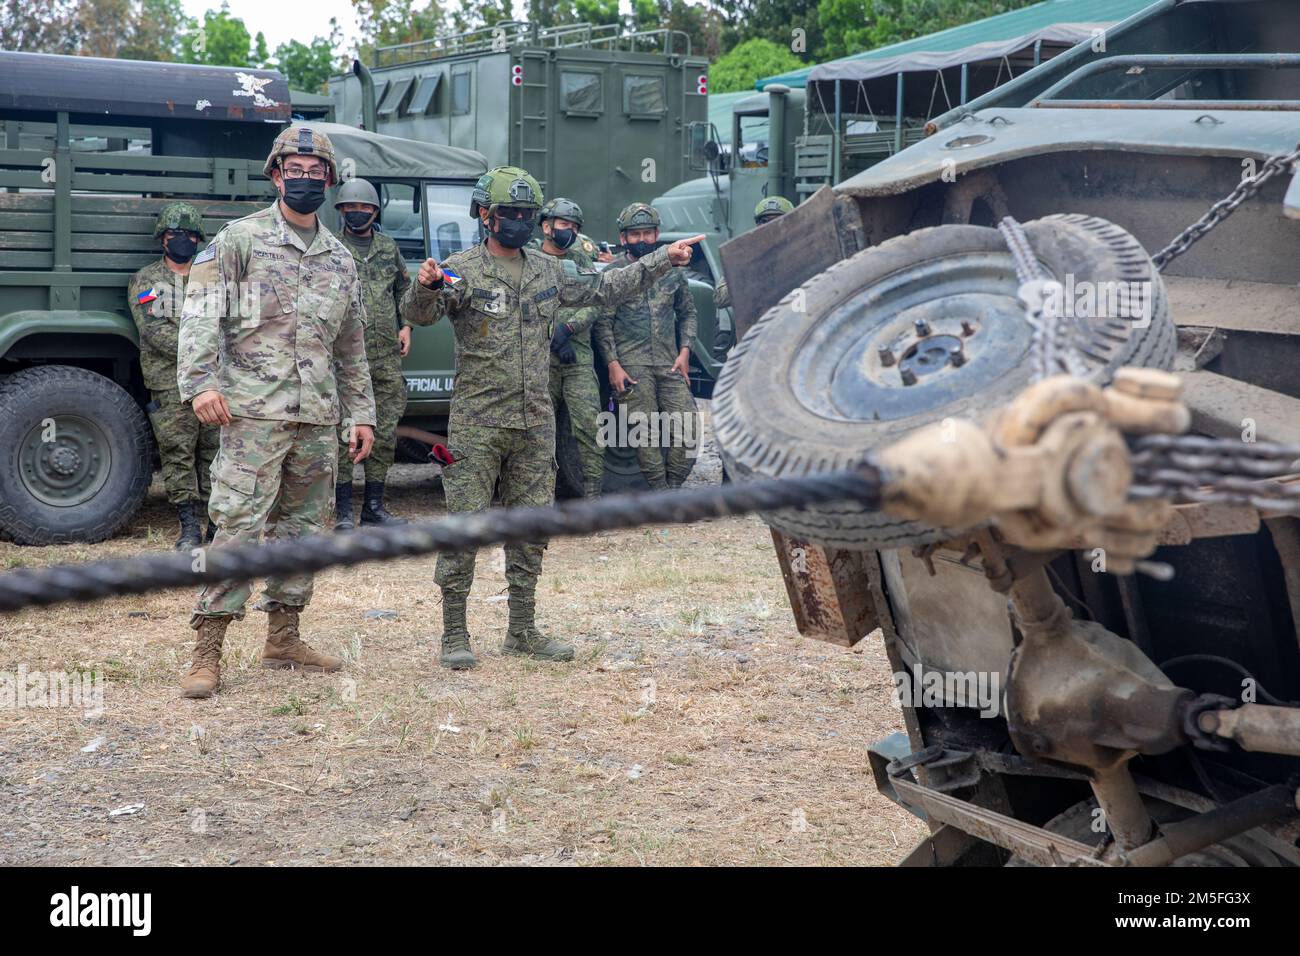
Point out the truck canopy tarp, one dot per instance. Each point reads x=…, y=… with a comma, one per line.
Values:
x=394, y=157
x=1054, y=21
x=48, y=83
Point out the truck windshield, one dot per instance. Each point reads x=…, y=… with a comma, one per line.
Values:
x=451, y=228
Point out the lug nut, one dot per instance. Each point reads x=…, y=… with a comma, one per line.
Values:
x=886, y=356
x=909, y=377
x=922, y=327
x=957, y=358
x=967, y=329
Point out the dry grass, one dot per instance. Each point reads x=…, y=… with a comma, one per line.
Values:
x=695, y=727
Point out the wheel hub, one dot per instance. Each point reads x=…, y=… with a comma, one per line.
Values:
x=64, y=461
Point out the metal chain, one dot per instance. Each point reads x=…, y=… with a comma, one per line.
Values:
x=461, y=532
x=1224, y=208
x=1191, y=468
x=1052, y=341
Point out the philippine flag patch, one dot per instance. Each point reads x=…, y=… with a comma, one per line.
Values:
x=148, y=295
x=450, y=276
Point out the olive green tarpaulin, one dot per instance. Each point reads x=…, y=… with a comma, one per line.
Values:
x=374, y=153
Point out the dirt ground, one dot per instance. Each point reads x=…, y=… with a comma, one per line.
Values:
x=695, y=727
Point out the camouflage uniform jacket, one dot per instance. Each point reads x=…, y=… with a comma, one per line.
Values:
x=158, y=322
x=503, y=334
x=575, y=263
x=651, y=329
x=384, y=279
x=278, y=328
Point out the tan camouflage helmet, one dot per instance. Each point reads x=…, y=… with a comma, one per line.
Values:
x=561, y=208
x=302, y=140
x=505, y=186
x=772, y=206
x=179, y=215
x=639, y=215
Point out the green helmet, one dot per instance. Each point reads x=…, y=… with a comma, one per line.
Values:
x=179, y=215
x=639, y=215
x=505, y=186
x=357, y=190
x=561, y=208
x=772, y=206
x=302, y=140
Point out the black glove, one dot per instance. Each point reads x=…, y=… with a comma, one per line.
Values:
x=561, y=347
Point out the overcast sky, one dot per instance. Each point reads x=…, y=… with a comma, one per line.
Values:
x=299, y=20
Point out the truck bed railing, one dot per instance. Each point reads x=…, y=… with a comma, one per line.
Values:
x=509, y=33
x=1142, y=62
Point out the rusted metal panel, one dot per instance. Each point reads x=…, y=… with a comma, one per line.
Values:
x=828, y=590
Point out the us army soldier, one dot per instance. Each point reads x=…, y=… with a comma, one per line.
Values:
x=502, y=302
x=573, y=376
x=647, y=343
x=272, y=349
x=382, y=272
x=186, y=446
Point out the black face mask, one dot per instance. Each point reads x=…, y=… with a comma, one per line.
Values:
x=564, y=237
x=180, y=248
x=304, y=195
x=358, y=221
x=638, y=249
x=513, y=233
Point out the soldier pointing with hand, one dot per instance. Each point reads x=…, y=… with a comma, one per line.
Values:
x=503, y=301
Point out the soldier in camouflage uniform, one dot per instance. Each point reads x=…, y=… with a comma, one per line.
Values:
x=647, y=343
x=382, y=271
x=573, y=376
x=773, y=207
x=503, y=302
x=272, y=348
x=185, y=445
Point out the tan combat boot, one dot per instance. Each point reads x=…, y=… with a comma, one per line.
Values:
x=205, y=670
x=285, y=649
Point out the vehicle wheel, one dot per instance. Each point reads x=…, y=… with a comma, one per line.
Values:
x=1078, y=821
x=806, y=390
x=568, y=475
x=75, y=456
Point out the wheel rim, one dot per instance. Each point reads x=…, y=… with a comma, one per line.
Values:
x=915, y=342
x=65, y=461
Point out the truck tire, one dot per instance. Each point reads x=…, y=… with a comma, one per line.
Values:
x=84, y=480
x=806, y=392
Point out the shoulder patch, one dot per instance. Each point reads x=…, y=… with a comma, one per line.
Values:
x=209, y=252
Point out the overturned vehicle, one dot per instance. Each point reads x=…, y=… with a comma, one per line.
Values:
x=1123, y=212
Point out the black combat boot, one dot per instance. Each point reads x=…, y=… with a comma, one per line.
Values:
x=343, y=507
x=372, y=512
x=212, y=532
x=191, y=535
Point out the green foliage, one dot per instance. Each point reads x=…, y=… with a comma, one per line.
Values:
x=221, y=40
x=748, y=62
x=852, y=26
x=308, y=65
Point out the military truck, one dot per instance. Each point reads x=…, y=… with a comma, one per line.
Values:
x=92, y=151
x=596, y=114
x=895, y=305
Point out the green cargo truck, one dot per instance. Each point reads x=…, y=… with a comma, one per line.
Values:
x=91, y=151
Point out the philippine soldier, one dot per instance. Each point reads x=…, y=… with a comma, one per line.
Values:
x=773, y=207
x=382, y=272
x=502, y=302
x=185, y=445
x=272, y=349
x=647, y=343
x=573, y=375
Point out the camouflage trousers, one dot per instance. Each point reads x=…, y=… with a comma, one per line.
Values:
x=575, y=387
x=186, y=447
x=523, y=460
x=265, y=467
x=667, y=436
x=390, y=404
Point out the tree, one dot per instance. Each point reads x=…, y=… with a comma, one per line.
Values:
x=852, y=26
x=748, y=62
x=222, y=40
x=790, y=24
x=390, y=22
x=157, y=31
x=38, y=26
x=308, y=66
